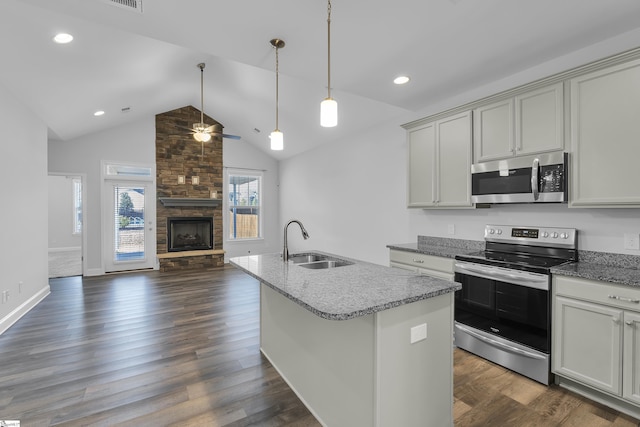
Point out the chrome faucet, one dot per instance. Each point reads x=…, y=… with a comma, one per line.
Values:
x=285, y=250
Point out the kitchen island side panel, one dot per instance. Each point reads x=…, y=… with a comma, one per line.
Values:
x=415, y=381
x=329, y=364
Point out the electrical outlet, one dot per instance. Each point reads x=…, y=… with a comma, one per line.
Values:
x=5, y=296
x=418, y=333
x=632, y=241
x=451, y=229
x=20, y=287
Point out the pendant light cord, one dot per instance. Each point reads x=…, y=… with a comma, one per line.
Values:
x=329, y=49
x=277, y=86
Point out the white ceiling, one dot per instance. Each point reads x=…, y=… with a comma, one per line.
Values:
x=148, y=61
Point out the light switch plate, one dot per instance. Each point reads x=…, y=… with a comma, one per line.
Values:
x=632, y=241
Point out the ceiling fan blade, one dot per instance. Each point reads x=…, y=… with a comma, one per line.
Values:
x=224, y=135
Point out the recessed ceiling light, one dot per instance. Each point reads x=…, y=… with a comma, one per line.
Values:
x=98, y=113
x=63, y=38
x=400, y=80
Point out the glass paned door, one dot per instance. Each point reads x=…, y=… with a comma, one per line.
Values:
x=131, y=236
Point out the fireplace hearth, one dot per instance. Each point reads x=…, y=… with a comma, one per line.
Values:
x=189, y=233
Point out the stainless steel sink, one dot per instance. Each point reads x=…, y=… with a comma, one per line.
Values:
x=316, y=261
x=310, y=257
x=325, y=264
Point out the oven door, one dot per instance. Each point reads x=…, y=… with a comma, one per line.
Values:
x=510, y=304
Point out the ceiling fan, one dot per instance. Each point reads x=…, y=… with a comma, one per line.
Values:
x=202, y=132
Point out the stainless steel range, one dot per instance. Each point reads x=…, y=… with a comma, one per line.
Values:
x=503, y=311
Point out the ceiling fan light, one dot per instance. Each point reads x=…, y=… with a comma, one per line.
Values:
x=277, y=140
x=202, y=136
x=329, y=113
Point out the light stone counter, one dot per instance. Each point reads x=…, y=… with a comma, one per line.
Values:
x=345, y=292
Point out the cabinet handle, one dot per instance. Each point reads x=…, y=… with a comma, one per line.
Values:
x=616, y=297
x=629, y=323
x=615, y=320
x=419, y=261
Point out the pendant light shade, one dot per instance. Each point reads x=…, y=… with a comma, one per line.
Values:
x=329, y=113
x=328, y=107
x=277, y=138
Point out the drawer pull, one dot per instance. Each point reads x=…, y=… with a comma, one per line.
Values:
x=629, y=323
x=635, y=301
x=419, y=261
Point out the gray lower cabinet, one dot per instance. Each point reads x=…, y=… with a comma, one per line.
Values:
x=596, y=341
x=433, y=266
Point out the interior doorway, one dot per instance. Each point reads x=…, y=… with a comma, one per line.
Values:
x=65, y=222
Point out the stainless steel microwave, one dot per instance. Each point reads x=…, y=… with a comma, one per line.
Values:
x=530, y=179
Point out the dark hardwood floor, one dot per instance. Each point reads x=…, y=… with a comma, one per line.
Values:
x=182, y=349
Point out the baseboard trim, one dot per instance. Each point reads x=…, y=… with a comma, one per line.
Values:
x=94, y=272
x=11, y=318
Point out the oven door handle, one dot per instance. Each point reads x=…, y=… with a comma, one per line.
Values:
x=494, y=274
x=499, y=344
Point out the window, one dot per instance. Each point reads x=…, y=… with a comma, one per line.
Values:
x=77, y=205
x=245, y=203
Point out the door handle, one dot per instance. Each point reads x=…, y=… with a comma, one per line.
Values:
x=534, y=178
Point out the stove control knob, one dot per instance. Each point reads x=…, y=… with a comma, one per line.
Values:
x=491, y=231
x=554, y=235
x=564, y=235
x=545, y=234
x=499, y=231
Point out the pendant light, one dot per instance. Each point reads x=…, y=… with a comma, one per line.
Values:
x=277, y=138
x=328, y=107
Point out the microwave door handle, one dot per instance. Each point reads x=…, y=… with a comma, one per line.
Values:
x=534, y=178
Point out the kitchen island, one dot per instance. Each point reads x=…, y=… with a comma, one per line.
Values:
x=360, y=344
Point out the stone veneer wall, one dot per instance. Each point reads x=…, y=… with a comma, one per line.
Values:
x=177, y=153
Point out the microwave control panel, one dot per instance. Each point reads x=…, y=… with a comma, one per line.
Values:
x=552, y=179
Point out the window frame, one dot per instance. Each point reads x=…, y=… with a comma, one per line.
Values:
x=228, y=206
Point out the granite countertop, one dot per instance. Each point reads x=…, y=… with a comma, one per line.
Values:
x=440, y=246
x=602, y=272
x=346, y=292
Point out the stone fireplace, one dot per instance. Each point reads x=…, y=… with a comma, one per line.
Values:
x=186, y=178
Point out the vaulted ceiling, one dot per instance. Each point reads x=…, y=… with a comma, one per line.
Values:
x=133, y=65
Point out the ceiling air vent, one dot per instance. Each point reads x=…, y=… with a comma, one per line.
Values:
x=133, y=5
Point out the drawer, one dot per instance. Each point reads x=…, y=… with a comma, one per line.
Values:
x=422, y=261
x=599, y=292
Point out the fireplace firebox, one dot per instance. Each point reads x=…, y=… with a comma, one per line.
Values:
x=189, y=233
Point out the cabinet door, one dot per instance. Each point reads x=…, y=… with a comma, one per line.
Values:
x=631, y=357
x=422, y=163
x=454, y=161
x=540, y=120
x=587, y=344
x=605, y=137
x=493, y=136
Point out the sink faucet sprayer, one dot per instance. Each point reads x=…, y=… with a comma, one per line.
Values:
x=285, y=250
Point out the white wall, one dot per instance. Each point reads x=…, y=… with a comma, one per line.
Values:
x=351, y=195
x=132, y=143
x=61, y=213
x=241, y=155
x=23, y=253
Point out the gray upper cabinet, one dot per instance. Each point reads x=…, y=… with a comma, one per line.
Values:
x=525, y=124
x=605, y=137
x=440, y=163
